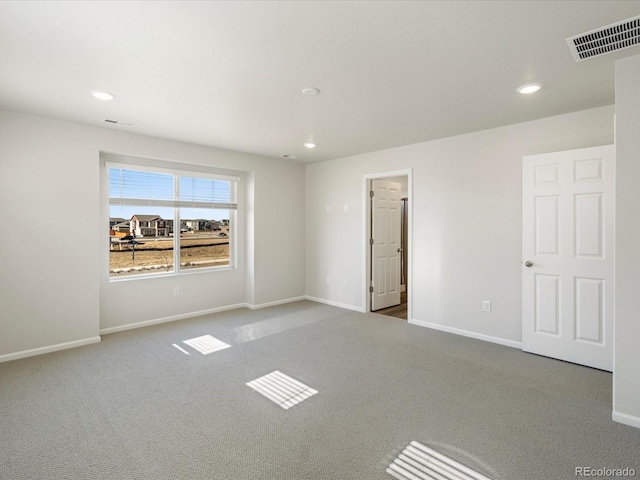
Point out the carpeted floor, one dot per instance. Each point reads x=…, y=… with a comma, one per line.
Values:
x=137, y=407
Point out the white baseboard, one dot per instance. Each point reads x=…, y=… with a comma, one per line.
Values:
x=273, y=304
x=466, y=333
x=172, y=318
x=625, y=418
x=335, y=304
x=51, y=348
x=182, y=316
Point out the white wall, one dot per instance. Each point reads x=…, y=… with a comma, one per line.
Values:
x=467, y=239
x=626, y=373
x=54, y=284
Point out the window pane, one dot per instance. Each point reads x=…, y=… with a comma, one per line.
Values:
x=141, y=240
x=204, y=238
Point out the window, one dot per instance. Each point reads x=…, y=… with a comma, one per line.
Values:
x=164, y=221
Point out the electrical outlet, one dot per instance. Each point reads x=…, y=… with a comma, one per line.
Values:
x=328, y=280
x=328, y=208
x=346, y=207
x=486, y=306
x=176, y=291
x=345, y=282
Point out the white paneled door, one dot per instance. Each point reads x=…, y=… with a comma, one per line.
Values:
x=568, y=248
x=386, y=248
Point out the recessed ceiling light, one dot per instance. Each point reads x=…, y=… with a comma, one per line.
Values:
x=529, y=88
x=101, y=95
x=310, y=91
x=310, y=145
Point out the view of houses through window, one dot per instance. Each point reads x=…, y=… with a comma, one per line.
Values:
x=153, y=233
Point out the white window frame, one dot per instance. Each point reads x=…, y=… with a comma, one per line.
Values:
x=177, y=205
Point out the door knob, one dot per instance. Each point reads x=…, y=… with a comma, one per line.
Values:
x=528, y=263
x=399, y=250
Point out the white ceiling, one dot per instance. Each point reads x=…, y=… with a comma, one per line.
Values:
x=230, y=74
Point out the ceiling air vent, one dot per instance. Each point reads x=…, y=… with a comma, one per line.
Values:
x=116, y=122
x=601, y=41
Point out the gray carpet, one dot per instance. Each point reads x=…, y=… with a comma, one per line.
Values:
x=136, y=407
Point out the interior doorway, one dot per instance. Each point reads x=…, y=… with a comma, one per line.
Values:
x=400, y=310
x=388, y=246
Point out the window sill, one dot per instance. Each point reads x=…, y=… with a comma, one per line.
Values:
x=147, y=276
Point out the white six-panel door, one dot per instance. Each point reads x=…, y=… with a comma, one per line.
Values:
x=386, y=249
x=568, y=249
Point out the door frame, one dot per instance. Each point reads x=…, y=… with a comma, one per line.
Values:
x=366, y=235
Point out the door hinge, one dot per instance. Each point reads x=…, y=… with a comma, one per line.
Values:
x=371, y=241
x=370, y=193
x=371, y=289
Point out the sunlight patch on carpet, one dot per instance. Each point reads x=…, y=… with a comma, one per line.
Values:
x=417, y=462
x=206, y=344
x=264, y=328
x=282, y=389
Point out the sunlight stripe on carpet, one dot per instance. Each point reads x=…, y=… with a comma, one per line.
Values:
x=181, y=349
x=206, y=344
x=282, y=389
x=417, y=462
